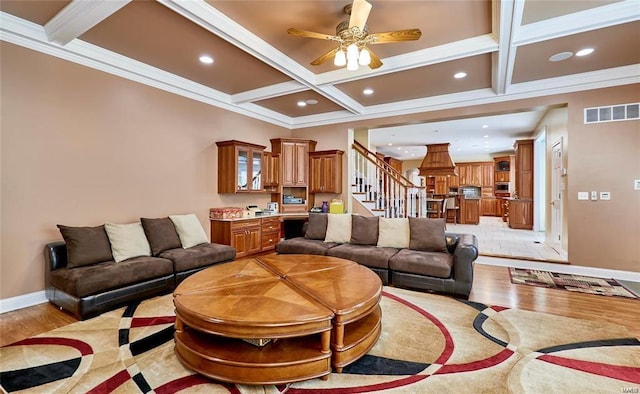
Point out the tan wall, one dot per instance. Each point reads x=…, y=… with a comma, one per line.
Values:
x=81, y=147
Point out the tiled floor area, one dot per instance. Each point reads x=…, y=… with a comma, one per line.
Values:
x=495, y=238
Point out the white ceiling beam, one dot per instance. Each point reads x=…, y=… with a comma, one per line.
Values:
x=203, y=14
x=267, y=92
x=78, y=17
x=579, y=22
x=507, y=16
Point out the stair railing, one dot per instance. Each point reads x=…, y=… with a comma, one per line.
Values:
x=392, y=194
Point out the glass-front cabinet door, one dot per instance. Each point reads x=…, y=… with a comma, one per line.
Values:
x=243, y=169
x=256, y=170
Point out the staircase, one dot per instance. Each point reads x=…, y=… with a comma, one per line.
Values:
x=383, y=190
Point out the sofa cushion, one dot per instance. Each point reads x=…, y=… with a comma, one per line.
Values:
x=338, y=228
x=198, y=256
x=366, y=255
x=86, y=245
x=127, y=241
x=302, y=245
x=422, y=263
x=317, y=226
x=364, y=230
x=161, y=233
x=427, y=234
x=393, y=233
x=97, y=278
x=189, y=230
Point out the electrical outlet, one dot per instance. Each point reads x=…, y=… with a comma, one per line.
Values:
x=605, y=195
x=594, y=196
x=583, y=195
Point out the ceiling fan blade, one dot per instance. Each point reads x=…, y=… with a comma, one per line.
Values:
x=375, y=60
x=325, y=57
x=359, y=13
x=309, y=34
x=396, y=36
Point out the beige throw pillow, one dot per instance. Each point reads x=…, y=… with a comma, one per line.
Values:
x=393, y=233
x=338, y=228
x=189, y=230
x=127, y=241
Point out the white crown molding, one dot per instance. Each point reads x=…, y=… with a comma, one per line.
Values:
x=579, y=22
x=29, y=35
x=78, y=17
x=22, y=301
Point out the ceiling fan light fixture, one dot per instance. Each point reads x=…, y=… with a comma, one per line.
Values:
x=365, y=57
x=352, y=52
x=341, y=58
x=352, y=64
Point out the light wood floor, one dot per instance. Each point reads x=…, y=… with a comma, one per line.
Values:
x=491, y=286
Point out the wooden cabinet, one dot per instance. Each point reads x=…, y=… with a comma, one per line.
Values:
x=524, y=168
x=294, y=158
x=441, y=184
x=270, y=229
x=487, y=179
x=454, y=182
x=488, y=206
x=502, y=176
x=247, y=236
x=239, y=167
x=469, y=211
x=521, y=214
x=470, y=174
x=270, y=170
x=326, y=171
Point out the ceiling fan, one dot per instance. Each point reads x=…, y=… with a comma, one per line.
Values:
x=353, y=38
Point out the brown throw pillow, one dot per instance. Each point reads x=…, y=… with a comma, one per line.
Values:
x=161, y=234
x=317, y=228
x=364, y=230
x=86, y=245
x=427, y=235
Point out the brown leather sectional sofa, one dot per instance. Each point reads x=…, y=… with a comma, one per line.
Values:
x=92, y=282
x=434, y=261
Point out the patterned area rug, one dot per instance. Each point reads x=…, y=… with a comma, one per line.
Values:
x=578, y=283
x=429, y=343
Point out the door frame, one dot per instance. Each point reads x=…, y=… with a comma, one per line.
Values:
x=555, y=225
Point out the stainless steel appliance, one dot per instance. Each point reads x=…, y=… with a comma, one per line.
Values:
x=502, y=187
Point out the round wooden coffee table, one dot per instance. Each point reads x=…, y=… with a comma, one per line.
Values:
x=277, y=319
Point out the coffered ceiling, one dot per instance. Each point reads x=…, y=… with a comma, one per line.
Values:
x=261, y=71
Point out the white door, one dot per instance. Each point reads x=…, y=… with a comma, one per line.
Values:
x=556, y=195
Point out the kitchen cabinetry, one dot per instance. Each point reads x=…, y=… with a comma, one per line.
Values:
x=487, y=179
x=488, y=206
x=521, y=214
x=469, y=211
x=524, y=168
x=247, y=236
x=326, y=171
x=239, y=167
x=292, y=193
x=471, y=174
x=270, y=170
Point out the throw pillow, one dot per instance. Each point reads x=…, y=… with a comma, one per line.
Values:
x=161, y=233
x=317, y=227
x=189, y=230
x=393, y=233
x=127, y=241
x=85, y=245
x=338, y=228
x=364, y=230
x=427, y=234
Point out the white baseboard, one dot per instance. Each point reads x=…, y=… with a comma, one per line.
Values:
x=22, y=301
x=561, y=268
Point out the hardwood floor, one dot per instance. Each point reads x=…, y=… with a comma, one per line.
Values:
x=491, y=286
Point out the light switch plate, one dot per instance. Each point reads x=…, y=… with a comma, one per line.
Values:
x=605, y=195
x=636, y=184
x=594, y=196
x=583, y=195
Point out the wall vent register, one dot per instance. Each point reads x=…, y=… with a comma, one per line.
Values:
x=612, y=113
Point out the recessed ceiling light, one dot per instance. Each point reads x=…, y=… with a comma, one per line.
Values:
x=399, y=148
x=558, y=57
x=368, y=91
x=413, y=154
x=485, y=136
x=406, y=151
x=459, y=75
x=584, y=52
x=311, y=102
x=390, y=144
x=206, y=59
x=484, y=126
x=302, y=103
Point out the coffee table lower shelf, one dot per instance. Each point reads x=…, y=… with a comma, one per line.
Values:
x=233, y=360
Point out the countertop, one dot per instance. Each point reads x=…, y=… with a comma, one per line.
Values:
x=282, y=216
